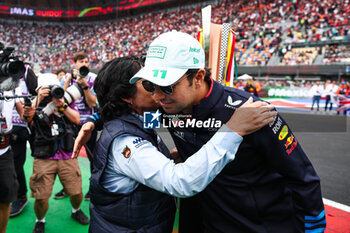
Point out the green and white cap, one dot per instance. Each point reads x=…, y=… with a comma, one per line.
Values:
x=169, y=57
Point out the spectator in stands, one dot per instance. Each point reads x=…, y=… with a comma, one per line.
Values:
x=316, y=92
x=85, y=105
x=336, y=54
x=255, y=21
x=344, y=88
x=240, y=85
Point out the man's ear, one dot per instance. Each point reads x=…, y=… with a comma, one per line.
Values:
x=199, y=77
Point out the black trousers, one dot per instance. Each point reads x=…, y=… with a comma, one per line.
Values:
x=190, y=219
x=328, y=100
x=8, y=178
x=20, y=136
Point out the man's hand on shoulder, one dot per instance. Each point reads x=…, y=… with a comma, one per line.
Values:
x=251, y=116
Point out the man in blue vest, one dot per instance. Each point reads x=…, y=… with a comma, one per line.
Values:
x=271, y=186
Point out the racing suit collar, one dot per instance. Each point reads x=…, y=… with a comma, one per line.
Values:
x=202, y=110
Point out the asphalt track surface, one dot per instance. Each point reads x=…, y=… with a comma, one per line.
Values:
x=326, y=141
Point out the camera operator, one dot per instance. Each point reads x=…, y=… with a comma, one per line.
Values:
x=86, y=104
x=52, y=145
x=19, y=137
x=8, y=178
x=11, y=71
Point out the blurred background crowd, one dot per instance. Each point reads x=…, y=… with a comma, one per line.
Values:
x=265, y=30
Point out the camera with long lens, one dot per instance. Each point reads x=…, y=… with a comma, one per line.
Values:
x=83, y=72
x=56, y=91
x=11, y=69
x=73, y=93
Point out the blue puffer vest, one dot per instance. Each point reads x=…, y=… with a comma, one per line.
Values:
x=143, y=210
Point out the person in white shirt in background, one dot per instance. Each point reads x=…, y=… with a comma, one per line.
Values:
x=316, y=92
x=331, y=95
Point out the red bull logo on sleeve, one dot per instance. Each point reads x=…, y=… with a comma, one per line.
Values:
x=289, y=141
x=293, y=146
x=283, y=133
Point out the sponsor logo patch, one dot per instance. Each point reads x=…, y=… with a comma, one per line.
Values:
x=293, y=146
x=126, y=152
x=156, y=52
x=194, y=50
x=277, y=126
x=283, y=133
x=289, y=141
x=139, y=142
x=231, y=104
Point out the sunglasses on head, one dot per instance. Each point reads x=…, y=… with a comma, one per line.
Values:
x=150, y=87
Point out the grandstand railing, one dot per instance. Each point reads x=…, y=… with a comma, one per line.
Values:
x=296, y=70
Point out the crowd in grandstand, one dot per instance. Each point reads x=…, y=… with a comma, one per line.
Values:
x=300, y=56
x=257, y=24
x=319, y=20
x=336, y=54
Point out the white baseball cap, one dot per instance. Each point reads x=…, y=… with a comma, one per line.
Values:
x=169, y=57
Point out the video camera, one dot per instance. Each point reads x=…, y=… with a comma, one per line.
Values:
x=11, y=69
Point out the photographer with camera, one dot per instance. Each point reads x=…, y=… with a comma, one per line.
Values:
x=52, y=146
x=84, y=79
x=8, y=178
x=11, y=71
x=19, y=137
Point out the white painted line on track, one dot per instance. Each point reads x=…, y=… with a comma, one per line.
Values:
x=336, y=205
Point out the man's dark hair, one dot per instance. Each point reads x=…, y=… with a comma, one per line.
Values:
x=60, y=70
x=192, y=72
x=112, y=84
x=80, y=56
